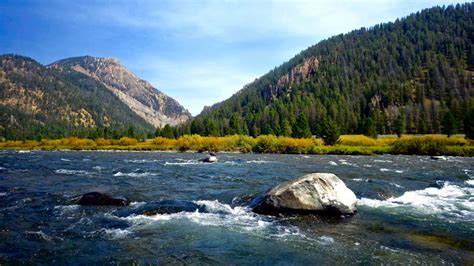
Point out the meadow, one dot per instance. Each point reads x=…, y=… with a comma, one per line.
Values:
x=455, y=145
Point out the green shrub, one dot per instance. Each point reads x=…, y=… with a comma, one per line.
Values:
x=420, y=146
x=265, y=144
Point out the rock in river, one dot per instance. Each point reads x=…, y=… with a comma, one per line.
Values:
x=317, y=193
x=101, y=199
x=212, y=158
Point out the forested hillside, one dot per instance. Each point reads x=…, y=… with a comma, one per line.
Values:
x=414, y=75
x=37, y=102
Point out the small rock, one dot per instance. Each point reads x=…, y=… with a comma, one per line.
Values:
x=212, y=158
x=101, y=199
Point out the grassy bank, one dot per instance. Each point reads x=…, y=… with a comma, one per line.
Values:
x=347, y=144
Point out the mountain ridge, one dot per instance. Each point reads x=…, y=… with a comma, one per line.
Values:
x=39, y=101
x=148, y=102
x=416, y=69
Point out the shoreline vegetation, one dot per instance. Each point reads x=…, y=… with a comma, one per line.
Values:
x=432, y=145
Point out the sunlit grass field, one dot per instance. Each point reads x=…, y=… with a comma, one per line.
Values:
x=455, y=145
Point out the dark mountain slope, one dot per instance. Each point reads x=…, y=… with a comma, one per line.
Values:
x=415, y=70
x=39, y=102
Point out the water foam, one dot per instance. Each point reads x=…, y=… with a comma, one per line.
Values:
x=132, y=174
x=115, y=233
x=345, y=162
x=391, y=170
x=217, y=214
x=396, y=185
x=360, y=179
x=449, y=202
x=326, y=240
x=71, y=172
x=382, y=161
x=66, y=209
x=140, y=161
x=185, y=162
x=259, y=161
x=39, y=234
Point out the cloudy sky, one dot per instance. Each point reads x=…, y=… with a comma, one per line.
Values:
x=199, y=52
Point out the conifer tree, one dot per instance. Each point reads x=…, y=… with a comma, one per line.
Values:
x=449, y=124
x=469, y=124
x=330, y=132
x=301, y=128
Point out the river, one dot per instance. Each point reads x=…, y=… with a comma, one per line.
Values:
x=411, y=210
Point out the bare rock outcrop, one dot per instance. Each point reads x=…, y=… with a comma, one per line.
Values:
x=317, y=193
x=139, y=95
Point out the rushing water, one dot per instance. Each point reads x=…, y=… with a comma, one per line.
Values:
x=412, y=210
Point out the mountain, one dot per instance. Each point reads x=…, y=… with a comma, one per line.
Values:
x=146, y=101
x=36, y=101
x=406, y=75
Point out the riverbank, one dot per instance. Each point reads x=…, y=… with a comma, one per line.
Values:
x=346, y=145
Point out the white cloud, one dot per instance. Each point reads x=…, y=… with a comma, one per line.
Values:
x=201, y=52
x=193, y=83
x=234, y=20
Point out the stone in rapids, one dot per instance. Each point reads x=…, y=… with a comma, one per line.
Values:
x=316, y=193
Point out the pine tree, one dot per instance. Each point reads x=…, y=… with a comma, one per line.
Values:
x=197, y=126
x=130, y=132
x=400, y=125
x=370, y=128
x=158, y=132
x=449, y=124
x=285, y=128
x=235, y=126
x=330, y=132
x=301, y=128
x=168, y=132
x=469, y=125
x=211, y=128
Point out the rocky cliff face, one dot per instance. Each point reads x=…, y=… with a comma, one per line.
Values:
x=146, y=101
x=300, y=73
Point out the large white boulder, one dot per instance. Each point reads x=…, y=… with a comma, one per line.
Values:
x=318, y=193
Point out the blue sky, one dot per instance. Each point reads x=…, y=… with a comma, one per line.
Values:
x=199, y=52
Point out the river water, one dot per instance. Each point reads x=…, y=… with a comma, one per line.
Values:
x=412, y=210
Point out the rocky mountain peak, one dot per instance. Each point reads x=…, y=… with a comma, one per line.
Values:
x=145, y=100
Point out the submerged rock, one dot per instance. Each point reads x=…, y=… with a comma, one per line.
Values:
x=317, y=193
x=101, y=199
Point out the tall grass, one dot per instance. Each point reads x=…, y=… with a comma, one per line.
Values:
x=427, y=145
x=347, y=144
x=272, y=144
